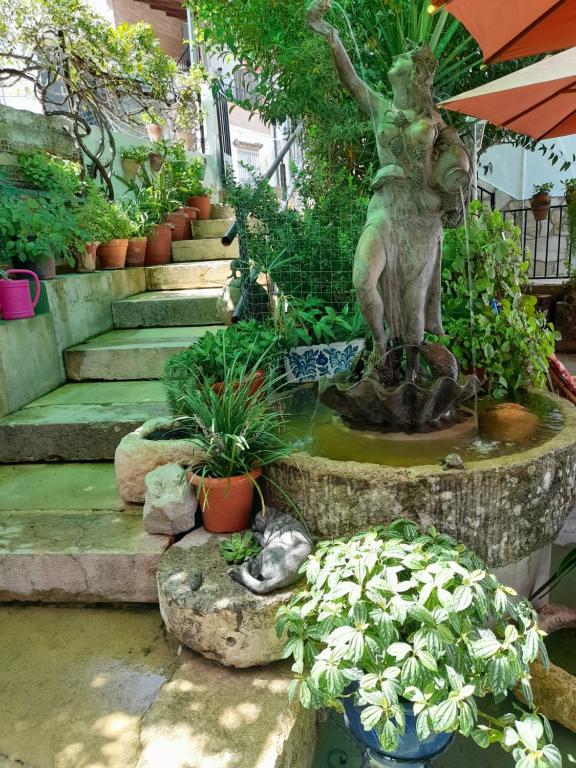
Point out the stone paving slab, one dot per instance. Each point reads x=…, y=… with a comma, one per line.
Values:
x=211, y=717
x=203, y=250
x=102, y=393
x=118, y=357
x=73, y=487
x=86, y=432
x=101, y=688
x=201, y=274
x=162, y=308
x=62, y=556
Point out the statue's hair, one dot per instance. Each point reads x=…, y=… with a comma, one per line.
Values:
x=425, y=61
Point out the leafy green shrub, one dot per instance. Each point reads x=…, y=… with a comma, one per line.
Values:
x=487, y=319
x=245, y=346
x=236, y=429
x=36, y=227
x=50, y=173
x=137, y=152
x=412, y=616
x=239, y=547
x=310, y=321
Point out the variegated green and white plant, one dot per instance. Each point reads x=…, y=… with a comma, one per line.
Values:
x=396, y=615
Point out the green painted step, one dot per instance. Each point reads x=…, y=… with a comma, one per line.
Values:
x=200, y=274
x=167, y=308
x=79, y=422
x=131, y=354
x=207, y=249
x=65, y=535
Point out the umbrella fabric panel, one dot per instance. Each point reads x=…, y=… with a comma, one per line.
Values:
x=513, y=29
x=538, y=101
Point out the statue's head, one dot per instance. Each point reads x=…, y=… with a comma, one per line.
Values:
x=414, y=71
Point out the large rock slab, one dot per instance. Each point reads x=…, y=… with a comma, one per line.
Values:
x=128, y=355
x=78, y=556
x=203, y=250
x=503, y=508
x=211, y=717
x=205, y=229
x=170, y=504
x=212, y=614
x=162, y=308
x=138, y=454
x=201, y=274
x=85, y=432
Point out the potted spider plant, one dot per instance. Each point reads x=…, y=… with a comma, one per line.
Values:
x=133, y=158
x=116, y=230
x=405, y=633
x=541, y=200
x=238, y=432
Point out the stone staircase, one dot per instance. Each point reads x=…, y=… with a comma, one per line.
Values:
x=65, y=533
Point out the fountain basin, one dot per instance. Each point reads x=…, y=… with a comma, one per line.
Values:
x=503, y=508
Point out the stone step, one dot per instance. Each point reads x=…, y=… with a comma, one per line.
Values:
x=128, y=355
x=167, y=308
x=206, y=229
x=209, y=249
x=79, y=422
x=65, y=535
x=200, y=274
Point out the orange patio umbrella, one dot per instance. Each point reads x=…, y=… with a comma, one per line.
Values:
x=538, y=101
x=513, y=29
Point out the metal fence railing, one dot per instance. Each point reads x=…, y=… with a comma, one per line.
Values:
x=546, y=243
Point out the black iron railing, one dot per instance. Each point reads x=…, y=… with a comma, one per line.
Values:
x=546, y=243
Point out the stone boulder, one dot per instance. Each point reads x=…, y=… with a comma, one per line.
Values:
x=212, y=614
x=145, y=449
x=170, y=504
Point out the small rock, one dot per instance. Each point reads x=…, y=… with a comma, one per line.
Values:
x=170, y=505
x=453, y=461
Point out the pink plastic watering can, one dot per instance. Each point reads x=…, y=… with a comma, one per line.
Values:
x=15, y=300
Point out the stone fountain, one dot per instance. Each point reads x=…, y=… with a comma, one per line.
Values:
x=507, y=509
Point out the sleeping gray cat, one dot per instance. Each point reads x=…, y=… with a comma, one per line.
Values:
x=285, y=544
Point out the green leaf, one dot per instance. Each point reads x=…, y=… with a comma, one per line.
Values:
x=399, y=651
x=444, y=716
x=371, y=716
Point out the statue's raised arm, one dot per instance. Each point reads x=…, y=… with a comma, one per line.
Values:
x=360, y=91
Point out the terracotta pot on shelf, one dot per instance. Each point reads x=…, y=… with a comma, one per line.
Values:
x=130, y=168
x=226, y=503
x=112, y=255
x=136, y=253
x=156, y=161
x=181, y=224
x=86, y=259
x=159, y=246
x=203, y=204
x=190, y=211
x=540, y=205
x=154, y=132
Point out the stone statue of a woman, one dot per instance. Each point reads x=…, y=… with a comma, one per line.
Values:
x=424, y=168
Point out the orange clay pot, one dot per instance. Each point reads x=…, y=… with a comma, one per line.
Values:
x=226, y=503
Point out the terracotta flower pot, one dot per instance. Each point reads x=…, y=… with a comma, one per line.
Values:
x=188, y=138
x=203, y=204
x=112, y=255
x=226, y=503
x=190, y=211
x=130, y=168
x=159, y=246
x=181, y=224
x=136, y=253
x=86, y=259
x=256, y=384
x=156, y=161
x=45, y=269
x=540, y=205
x=154, y=132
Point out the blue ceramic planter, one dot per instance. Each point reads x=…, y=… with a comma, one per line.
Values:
x=321, y=361
x=411, y=749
